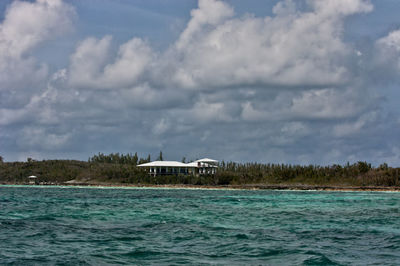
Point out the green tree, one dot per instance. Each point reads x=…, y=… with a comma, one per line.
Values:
x=135, y=159
x=160, y=157
x=383, y=166
x=363, y=167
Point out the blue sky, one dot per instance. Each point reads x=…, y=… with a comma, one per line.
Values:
x=309, y=82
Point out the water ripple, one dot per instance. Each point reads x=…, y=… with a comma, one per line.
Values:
x=80, y=226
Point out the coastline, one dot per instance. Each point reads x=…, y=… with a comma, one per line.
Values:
x=296, y=187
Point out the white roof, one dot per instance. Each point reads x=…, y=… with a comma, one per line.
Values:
x=207, y=160
x=32, y=176
x=195, y=164
x=164, y=164
x=178, y=164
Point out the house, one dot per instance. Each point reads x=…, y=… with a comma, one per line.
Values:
x=32, y=180
x=203, y=166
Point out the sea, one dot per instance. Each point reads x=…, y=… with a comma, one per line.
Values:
x=156, y=226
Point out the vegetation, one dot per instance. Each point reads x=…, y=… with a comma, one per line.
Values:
x=122, y=169
x=358, y=174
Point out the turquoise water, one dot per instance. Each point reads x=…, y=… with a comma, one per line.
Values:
x=55, y=225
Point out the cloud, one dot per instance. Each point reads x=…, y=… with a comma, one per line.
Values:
x=161, y=127
x=350, y=128
x=334, y=8
x=327, y=104
x=28, y=24
x=90, y=68
x=33, y=138
x=283, y=88
x=288, y=49
x=291, y=50
x=388, y=55
x=392, y=40
x=23, y=93
x=210, y=112
x=25, y=26
x=209, y=13
x=216, y=50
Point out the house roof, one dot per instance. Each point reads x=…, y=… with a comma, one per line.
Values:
x=207, y=160
x=195, y=164
x=164, y=164
x=178, y=164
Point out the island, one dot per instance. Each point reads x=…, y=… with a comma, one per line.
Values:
x=127, y=170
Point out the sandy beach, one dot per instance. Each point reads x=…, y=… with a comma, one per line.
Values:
x=298, y=187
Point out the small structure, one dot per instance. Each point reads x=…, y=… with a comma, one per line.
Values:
x=32, y=180
x=204, y=166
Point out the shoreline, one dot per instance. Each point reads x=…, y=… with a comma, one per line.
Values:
x=220, y=187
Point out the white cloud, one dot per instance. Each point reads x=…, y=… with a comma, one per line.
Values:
x=210, y=12
x=331, y=8
x=281, y=87
x=25, y=26
x=392, y=40
x=293, y=49
x=209, y=111
x=32, y=137
x=350, y=128
x=88, y=60
x=91, y=67
x=28, y=24
x=24, y=97
x=251, y=114
x=161, y=126
x=289, y=49
x=295, y=129
x=327, y=104
x=388, y=53
x=316, y=104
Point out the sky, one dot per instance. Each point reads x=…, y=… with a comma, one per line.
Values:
x=295, y=82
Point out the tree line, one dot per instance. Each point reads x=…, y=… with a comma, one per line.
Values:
x=117, y=158
x=122, y=168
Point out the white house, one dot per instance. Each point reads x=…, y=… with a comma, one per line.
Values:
x=200, y=167
x=32, y=179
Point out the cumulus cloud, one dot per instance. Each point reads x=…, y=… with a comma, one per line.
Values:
x=33, y=138
x=210, y=12
x=285, y=87
x=23, y=90
x=392, y=40
x=288, y=49
x=216, y=49
x=349, y=128
x=388, y=56
x=331, y=8
x=25, y=26
x=161, y=126
x=291, y=50
x=327, y=104
x=90, y=68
